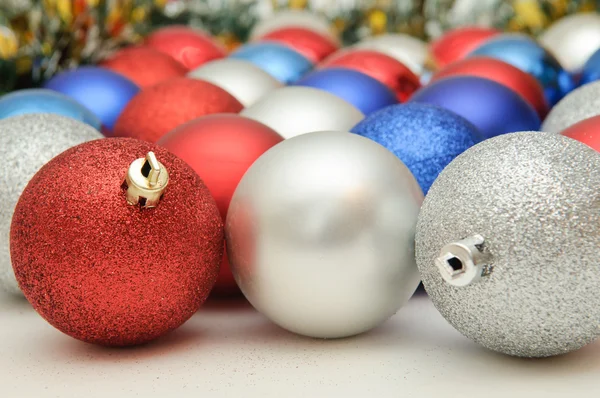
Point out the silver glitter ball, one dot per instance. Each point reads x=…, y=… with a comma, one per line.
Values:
x=320, y=234
x=28, y=142
x=507, y=244
x=578, y=105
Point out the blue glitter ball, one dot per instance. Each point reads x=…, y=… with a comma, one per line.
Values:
x=492, y=107
x=281, y=62
x=591, y=69
x=362, y=91
x=529, y=56
x=102, y=91
x=39, y=100
x=426, y=138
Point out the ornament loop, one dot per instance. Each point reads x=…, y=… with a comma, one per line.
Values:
x=146, y=181
x=464, y=262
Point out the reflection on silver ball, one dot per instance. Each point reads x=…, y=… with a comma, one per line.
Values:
x=320, y=234
x=409, y=50
x=507, y=244
x=296, y=18
x=573, y=39
x=242, y=79
x=28, y=142
x=578, y=105
x=292, y=111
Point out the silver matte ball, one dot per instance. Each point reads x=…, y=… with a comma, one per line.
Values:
x=292, y=111
x=527, y=282
x=578, y=105
x=242, y=79
x=409, y=50
x=28, y=142
x=573, y=39
x=320, y=234
x=293, y=18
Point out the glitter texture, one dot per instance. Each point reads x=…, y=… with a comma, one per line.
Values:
x=103, y=271
x=534, y=198
x=578, y=105
x=159, y=109
x=27, y=142
x=426, y=138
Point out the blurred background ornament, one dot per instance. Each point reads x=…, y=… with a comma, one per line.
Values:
x=582, y=103
x=312, y=45
x=591, y=69
x=586, y=131
x=457, y=43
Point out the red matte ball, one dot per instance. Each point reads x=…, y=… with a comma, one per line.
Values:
x=586, y=131
x=456, y=44
x=313, y=45
x=221, y=148
x=104, y=271
x=144, y=65
x=190, y=47
x=159, y=109
x=387, y=70
x=501, y=72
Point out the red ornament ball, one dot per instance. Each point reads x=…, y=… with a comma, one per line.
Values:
x=312, y=45
x=144, y=65
x=387, y=70
x=456, y=44
x=221, y=148
x=586, y=131
x=527, y=86
x=159, y=109
x=190, y=47
x=107, y=272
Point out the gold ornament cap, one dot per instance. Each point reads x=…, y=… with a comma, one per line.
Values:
x=146, y=181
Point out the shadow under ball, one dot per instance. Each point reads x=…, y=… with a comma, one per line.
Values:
x=507, y=244
x=320, y=234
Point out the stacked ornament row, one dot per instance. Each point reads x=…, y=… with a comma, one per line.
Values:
x=324, y=182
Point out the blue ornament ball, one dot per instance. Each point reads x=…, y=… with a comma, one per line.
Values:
x=102, y=91
x=524, y=53
x=39, y=100
x=591, y=69
x=426, y=138
x=364, y=92
x=281, y=62
x=492, y=107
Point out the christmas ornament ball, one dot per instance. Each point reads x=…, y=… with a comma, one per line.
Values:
x=320, y=234
x=586, y=131
x=313, y=45
x=456, y=44
x=507, y=244
x=144, y=65
x=492, y=107
x=387, y=70
x=242, y=79
x=591, y=69
x=188, y=46
x=501, y=72
x=220, y=149
x=409, y=50
x=160, y=108
x=292, y=111
x=104, y=92
x=582, y=103
x=39, y=100
x=573, y=39
x=424, y=137
x=283, y=63
x=361, y=90
x=27, y=142
x=294, y=18
x=102, y=269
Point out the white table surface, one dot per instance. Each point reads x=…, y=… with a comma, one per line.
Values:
x=229, y=350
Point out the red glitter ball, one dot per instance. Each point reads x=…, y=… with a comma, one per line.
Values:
x=501, y=72
x=190, y=47
x=159, y=109
x=221, y=148
x=312, y=45
x=144, y=65
x=587, y=131
x=106, y=272
x=389, y=71
x=458, y=43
